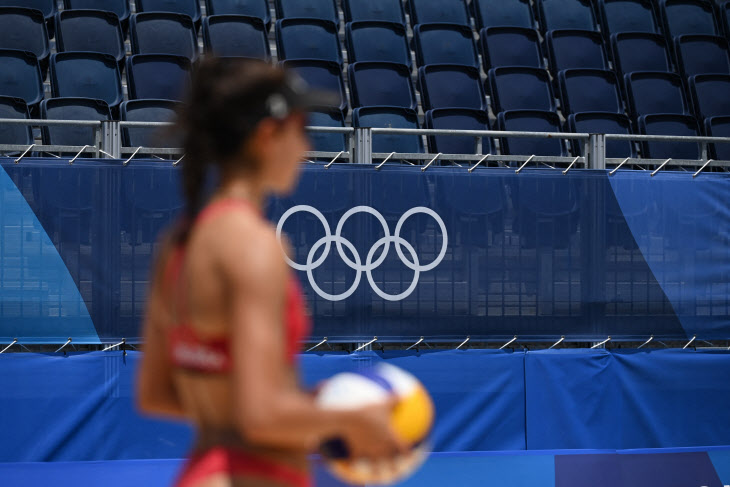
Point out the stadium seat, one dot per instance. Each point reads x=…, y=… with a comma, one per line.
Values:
x=20, y=77
x=248, y=8
x=702, y=54
x=718, y=127
x=24, y=29
x=382, y=10
x=710, y=95
x=327, y=142
x=575, y=49
x=457, y=119
x=381, y=84
x=666, y=124
x=530, y=121
x=682, y=17
x=724, y=12
x=651, y=93
x=639, y=51
x=451, y=86
x=146, y=111
x=14, y=134
x=566, y=14
x=157, y=76
x=589, y=90
x=236, y=36
x=190, y=8
x=618, y=16
x=377, y=41
x=445, y=44
x=520, y=89
x=510, y=46
x=307, y=39
x=504, y=13
x=163, y=33
x=90, y=31
x=309, y=9
x=72, y=109
x=323, y=75
x=86, y=75
x=438, y=12
x=603, y=123
x=390, y=117
x=119, y=7
x=47, y=7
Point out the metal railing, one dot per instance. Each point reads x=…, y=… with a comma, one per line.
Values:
x=108, y=144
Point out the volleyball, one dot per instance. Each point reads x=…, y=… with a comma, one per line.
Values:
x=412, y=419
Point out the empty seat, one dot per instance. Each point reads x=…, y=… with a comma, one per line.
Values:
x=664, y=124
x=603, y=123
x=322, y=75
x=47, y=7
x=718, y=127
x=24, y=29
x=572, y=49
x=710, y=94
x=449, y=86
x=438, y=12
x=566, y=14
x=86, y=75
x=530, y=121
x=649, y=93
x=119, y=7
x=589, y=90
x=307, y=39
x=91, y=31
x=383, y=10
x=311, y=9
x=377, y=41
x=637, y=51
x=147, y=111
x=157, y=76
x=682, y=17
x=702, y=54
x=445, y=44
x=510, y=46
x=14, y=134
x=191, y=8
x=163, y=33
x=20, y=76
x=72, y=109
x=520, y=89
x=236, y=36
x=390, y=117
x=504, y=13
x=381, y=84
x=457, y=119
x=323, y=141
x=627, y=16
x=249, y=8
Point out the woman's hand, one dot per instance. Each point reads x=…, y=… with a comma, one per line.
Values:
x=369, y=433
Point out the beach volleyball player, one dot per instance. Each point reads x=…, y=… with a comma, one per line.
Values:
x=225, y=315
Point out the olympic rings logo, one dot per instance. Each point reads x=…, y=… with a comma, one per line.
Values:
x=370, y=263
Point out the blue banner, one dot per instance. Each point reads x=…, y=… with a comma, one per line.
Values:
x=396, y=253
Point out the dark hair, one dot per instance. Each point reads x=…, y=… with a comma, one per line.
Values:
x=227, y=100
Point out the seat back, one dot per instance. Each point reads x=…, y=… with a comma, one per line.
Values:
x=20, y=76
x=311, y=9
x=650, y=93
x=709, y=95
x=307, y=39
x=147, y=111
x=457, y=119
x=382, y=10
x=603, y=123
x=573, y=49
x=377, y=41
x=90, y=31
x=718, y=127
x=504, y=13
x=628, y=16
x=702, y=54
x=47, y=7
x=530, y=121
x=191, y=8
x=119, y=7
x=438, y=11
x=451, y=86
x=666, y=124
x=682, y=17
x=520, y=89
x=236, y=36
x=510, y=46
x=75, y=108
x=381, y=84
x=163, y=33
x=157, y=76
x=24, y=29
x=323, y=141
x=249, y=8
x=640, y=52
x=86, y=75
x=390, y=117
x=445, y=44
x=322, y=75
x=14, y=134
x=566, y=14
x=589, y=90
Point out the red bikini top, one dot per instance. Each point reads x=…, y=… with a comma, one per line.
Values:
x=212, y=355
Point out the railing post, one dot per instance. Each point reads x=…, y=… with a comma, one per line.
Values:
x=111, y=138
x=363, y=145
x=597, y=151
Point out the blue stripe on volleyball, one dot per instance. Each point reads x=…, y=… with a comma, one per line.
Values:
x=377, y=378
